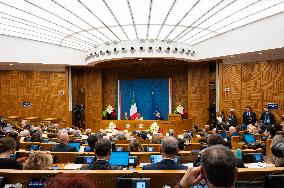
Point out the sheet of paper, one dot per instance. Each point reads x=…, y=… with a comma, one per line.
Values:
x=72, y=166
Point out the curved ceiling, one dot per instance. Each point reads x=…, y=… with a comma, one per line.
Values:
x=80, y=24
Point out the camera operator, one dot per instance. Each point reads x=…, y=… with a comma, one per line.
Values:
x=277, y=151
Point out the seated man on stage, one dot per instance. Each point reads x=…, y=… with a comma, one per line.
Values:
x=169, y=151
x=139, y=117
x=159, y=116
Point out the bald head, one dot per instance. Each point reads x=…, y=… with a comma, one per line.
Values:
x=169, y=146
x=232, y=129
x=64, y=138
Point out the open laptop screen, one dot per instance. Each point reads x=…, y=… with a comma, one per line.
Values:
x=75, y=145
x=249, y=138
x=158, y=158
x=119, y=158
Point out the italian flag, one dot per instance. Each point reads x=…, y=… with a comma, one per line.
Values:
x=133, y=109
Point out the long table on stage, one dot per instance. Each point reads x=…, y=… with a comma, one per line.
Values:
x=179, y=126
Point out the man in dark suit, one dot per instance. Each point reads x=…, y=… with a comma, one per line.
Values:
x=249, y=117
x=267, y=118
x=103, y=152
x=63, y=145
x=169, y=151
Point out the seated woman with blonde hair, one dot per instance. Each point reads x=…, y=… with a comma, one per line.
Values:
x=38, y=161
x=135, y=146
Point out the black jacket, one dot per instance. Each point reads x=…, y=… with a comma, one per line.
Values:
x=165, y=164
x=101, y=165
x=270, y=115
x=62, y=148
x=249, y=119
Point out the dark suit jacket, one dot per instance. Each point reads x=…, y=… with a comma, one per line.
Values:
x=62, y=148
x=165, y=164
x=251, y=119
x=101, y=165
x=232, y=120
x=271, y=117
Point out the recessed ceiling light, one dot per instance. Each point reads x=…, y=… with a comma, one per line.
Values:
x=260, y=53
x=11, y=64
x=140, y=59
x=232, y=56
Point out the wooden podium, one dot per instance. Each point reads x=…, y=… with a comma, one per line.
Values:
x=174, y=117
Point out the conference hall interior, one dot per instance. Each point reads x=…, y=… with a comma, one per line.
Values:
x=141, y=93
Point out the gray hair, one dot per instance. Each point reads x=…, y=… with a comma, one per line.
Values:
x=171, y=132
x=170, y=145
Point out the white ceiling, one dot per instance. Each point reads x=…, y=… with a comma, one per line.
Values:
x=80, y=24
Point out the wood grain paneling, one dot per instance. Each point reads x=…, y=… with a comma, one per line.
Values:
x=40, y=88
x=93, y=96
x=198, y=92
x=252, y=84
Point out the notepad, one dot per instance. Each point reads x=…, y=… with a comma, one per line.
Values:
x=72, y=166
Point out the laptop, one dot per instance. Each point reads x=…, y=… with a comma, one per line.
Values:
x=150, y=149
x=133, y=182
x=75, y=145
x=249, y=138
x=119, y=158
x=253, y=158
x=158, y=158
x=119, y=149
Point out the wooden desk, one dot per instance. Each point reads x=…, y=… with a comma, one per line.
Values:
x=108, y=178
x=130, y=125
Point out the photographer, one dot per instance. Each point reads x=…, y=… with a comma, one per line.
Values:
x=277, y=151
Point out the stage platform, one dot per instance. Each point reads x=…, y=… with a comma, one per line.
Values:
x=180, y=126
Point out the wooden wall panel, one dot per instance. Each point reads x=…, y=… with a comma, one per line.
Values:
x=93, y=97
x=39, y=88
x=198, y=92
x=252, y=84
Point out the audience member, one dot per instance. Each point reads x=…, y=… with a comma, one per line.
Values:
x=7, y=148
x=218, y=167
x=169, y=151
x=187, y=137
x=156, y=139
x=38, y=161
x=88, y=132
x=267, y=117
x=181, y=144
x=215, y=139
x=92, y=140
x=120, y=135
x=103, y=152
x=233, y=132
x=171, y=132
x=135, y=146
x=196, y=129
x=272, y=158
x=269, y=133
x=63, y=144
x=36, y=137
x=15, y=136
x=143, y=135
x=249, y=117
x=232, y=119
